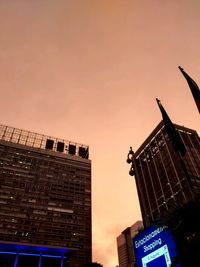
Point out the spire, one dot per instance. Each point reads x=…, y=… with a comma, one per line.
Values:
x=193, y=87
x=171, y=130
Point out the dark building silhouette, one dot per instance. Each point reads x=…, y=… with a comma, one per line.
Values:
x=125, y=248
x=163, y=176
x=45, y=201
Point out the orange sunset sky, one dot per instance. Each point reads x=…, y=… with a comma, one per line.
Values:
x=89, y=71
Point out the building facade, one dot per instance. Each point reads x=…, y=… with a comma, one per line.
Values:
x=45, y=197
x=163, y=176
x=125, y=248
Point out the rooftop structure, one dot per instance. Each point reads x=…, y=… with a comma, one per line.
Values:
x=40, y=141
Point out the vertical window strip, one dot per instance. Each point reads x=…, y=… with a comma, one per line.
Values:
x=174, y=168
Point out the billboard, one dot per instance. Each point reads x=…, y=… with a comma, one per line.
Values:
x=154, y=247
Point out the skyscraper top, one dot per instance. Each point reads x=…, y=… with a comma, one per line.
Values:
x=156, y=131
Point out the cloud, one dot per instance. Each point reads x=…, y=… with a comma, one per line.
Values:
x=105, y=246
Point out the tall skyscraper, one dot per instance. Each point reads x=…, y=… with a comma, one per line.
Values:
x=125, y=249
x=163, y=176
x=45, y=197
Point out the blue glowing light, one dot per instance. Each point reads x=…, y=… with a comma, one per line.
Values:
x=32, y=254
x=33, y=250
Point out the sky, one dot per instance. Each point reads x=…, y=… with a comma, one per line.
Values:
x=89, y=71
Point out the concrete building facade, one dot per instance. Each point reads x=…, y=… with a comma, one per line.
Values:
x=163, y=176
x=125, y=248
x=45, y=197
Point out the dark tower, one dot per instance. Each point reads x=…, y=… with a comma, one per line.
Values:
x=160, y=178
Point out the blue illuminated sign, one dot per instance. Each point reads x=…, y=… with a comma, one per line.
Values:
x=155, y=247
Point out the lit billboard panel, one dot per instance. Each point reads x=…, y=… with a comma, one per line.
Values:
x=155, y=247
